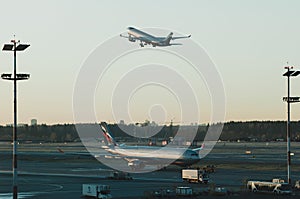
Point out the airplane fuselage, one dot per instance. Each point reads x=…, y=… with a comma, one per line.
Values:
x=155, y=155
x=145, y=38
x=139, y=156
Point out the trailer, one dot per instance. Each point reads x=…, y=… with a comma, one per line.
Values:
x=195, y=175
x=99, y=191
x=276, y=187
x=184, y=191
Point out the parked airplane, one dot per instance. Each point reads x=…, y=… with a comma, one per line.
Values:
x=145, y=38
x=140, y=156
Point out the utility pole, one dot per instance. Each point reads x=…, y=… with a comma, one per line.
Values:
x=289, y=100
x=15, y=46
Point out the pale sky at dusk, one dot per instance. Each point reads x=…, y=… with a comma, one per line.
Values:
x=249, y=42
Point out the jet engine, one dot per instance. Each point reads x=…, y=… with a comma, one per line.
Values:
x=131, y=39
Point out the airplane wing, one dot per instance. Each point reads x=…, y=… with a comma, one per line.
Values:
x=146, y=40
x=182, y=37
x=135, y=162
x=140, y=163
x=82, y=153
x=125, y=36
x=133, y=37
x=175, y=44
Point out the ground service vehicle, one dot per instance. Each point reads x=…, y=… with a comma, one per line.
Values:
x=269, y=187
x=209, y=169
x=99, y=191
x=118, y=175
x=297, y=184
x=195, y=175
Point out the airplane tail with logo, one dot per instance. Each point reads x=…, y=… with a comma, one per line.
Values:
x=199, y=149
x=107, y=135
x=168, y=38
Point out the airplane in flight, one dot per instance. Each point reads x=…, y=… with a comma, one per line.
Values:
x=140, y=156
x=134, y=34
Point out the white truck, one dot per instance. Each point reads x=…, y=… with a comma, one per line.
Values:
x=276, y=187
x=195, y=175
x=99, y=191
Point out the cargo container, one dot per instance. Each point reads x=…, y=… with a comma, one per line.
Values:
x=99, y=191
x=184, y=191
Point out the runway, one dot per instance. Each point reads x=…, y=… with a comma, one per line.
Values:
x=46, y=173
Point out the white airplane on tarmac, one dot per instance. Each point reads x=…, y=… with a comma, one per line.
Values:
x=140, y=156
x=145, y=38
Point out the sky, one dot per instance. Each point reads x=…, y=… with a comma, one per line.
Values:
x=249, y=42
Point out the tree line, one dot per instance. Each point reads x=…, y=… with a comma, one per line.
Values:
x=232, y=131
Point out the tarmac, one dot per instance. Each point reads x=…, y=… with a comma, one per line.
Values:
x=44, y=172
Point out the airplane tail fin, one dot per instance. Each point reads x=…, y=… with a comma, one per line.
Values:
x=198, y=149
x=168, y=38
x=107, y=135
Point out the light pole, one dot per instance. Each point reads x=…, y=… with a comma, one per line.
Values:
x=15, y=46
x=289, y=73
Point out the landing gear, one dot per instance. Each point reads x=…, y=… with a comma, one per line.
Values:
x=141, y=44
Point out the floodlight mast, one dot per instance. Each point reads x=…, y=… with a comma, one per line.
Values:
x=14, y=47
x=289, y=100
